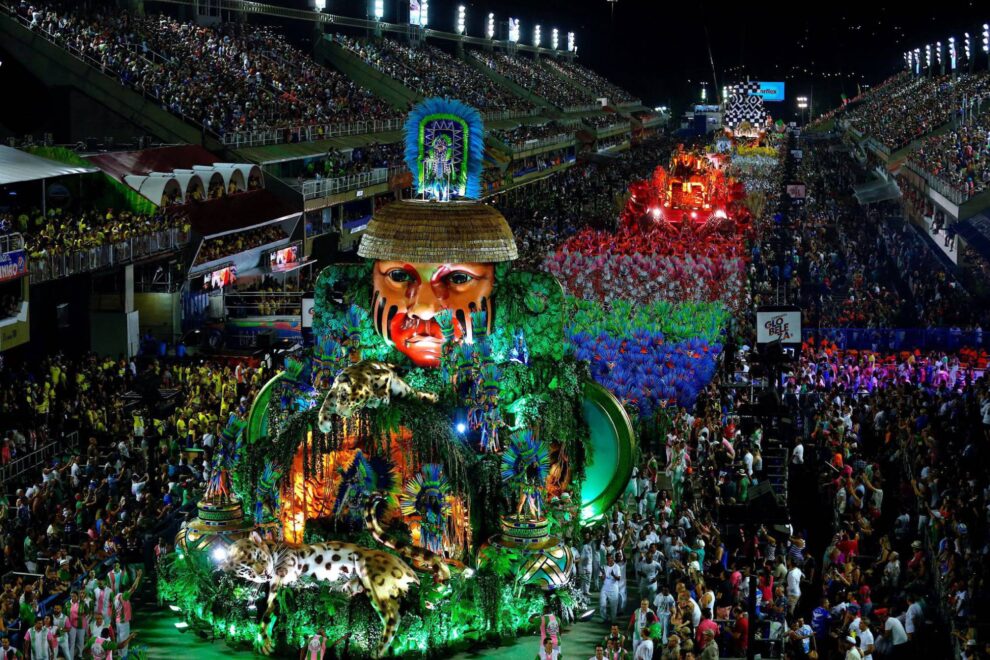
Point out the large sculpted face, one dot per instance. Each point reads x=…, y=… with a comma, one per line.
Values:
x=408, y=296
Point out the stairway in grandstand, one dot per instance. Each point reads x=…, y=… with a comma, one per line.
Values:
x=57, y=68
x=545, y=107
x=333, y=54
x=775, y=464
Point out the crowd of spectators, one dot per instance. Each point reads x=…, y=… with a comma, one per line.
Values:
x=65, y=231
x=889, y=445
x=266, y=296
x=229, y=77
x=100, y=486
x=859, y=267
x=335, y=164
x=605, y=121
x=529, y=75
x=524, y=133
x=230, y=244
x=907, y=107
x=959, y=157
x=429, y=71
x=596, y=85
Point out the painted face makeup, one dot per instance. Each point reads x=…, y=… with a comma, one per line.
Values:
x=408, y=296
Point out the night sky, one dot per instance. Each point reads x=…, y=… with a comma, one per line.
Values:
x=658, y=49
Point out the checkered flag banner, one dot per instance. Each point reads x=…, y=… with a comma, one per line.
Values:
x=744, y=105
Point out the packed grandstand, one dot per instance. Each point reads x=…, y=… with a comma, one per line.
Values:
x=684, y=393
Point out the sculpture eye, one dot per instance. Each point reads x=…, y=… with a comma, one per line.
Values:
x=459, y=277
x=399, y=276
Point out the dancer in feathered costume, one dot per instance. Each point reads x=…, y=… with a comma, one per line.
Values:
x=427, y=497
x=525, y=466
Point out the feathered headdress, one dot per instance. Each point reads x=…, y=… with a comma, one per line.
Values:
x=445, y=144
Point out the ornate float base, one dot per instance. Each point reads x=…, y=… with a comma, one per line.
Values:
x=545, y=561
x=216, y=526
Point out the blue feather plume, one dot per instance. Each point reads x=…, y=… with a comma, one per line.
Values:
x=467, y=182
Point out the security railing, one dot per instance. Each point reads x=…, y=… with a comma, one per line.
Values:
x=940, y=185
x=324, y=187
x=582, y=108
x=499, y=115
x=307, y=133
x=263, y=303
x=545, y=142
x=11, y=242
x=40, y=456
x=55, y=266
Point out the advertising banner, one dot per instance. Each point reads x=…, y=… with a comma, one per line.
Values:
x=769, y=91
x=13, y=265
x=778, y=325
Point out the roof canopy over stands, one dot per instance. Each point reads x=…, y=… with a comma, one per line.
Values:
x=191, y=167
x=17, y=166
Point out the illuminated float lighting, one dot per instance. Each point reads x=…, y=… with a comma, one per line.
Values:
x=181, y=625
x=461, y=19
x=461, y=427
x=219, y=554
x=175, y=608
x=720, y=214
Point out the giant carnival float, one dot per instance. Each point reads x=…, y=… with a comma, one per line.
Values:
x=415, y=483
x=418, y=479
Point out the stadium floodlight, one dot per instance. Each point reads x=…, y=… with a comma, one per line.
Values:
x=491, y=25
x=461, y=16
x=986, y=38
x=938, y=52
x=424, y=13
x=571, y=45
x=952, y=53
x=514, y=30
x=320, y=5
x=966, y=46
x=928, y=56
x=802, y=102
x=917, y=60
x=553, y=38
x=379, y=9
x=537, y=37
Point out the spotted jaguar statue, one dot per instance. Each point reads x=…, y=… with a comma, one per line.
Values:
x=350, y=568
x=367, y=384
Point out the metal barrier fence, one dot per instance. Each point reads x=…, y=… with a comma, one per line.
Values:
x=55, y=266
x=900, y=339
x=324, y=187
x=38, y=457
x=310, y=133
